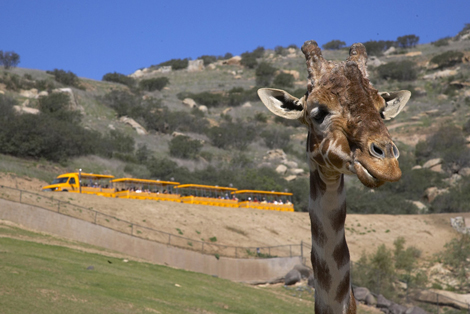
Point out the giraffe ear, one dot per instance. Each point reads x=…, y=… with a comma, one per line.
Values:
x=282, y=103
x=394, y=102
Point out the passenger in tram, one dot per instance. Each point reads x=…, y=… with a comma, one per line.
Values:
x=256, y=200
x=263, y=201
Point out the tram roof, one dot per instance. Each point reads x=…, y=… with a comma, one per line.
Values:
x=261, y=192
x=134, y=180
x=206, y=187
x=87, y=175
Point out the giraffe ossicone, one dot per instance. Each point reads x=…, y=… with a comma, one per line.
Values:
x=344, y=116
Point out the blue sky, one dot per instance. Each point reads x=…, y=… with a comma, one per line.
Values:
x=92, y=38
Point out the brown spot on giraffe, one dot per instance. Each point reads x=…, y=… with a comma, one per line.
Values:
x=341, y=253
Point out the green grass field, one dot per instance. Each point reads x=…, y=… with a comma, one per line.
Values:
x=41, y=278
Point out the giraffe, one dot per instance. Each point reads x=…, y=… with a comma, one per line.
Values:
x=344, y=117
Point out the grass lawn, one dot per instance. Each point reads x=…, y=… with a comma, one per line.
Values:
x=41, y=278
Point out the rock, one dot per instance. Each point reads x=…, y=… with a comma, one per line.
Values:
x=360, y=293
x=431, y=193
x=441, y=297
x=303, y=270
x=423, y=209
x=43, y=94
x=32, y=93
x=292, y=277
x=374, y=61
x=247, y=105
x=442, y=97
x=432, y=163
x=370, y=300
x=382, y=302
x=294, y=73
x=433, y=112
x=189, y=102
x=296, y=171
x=416, y=310
x=290, y=178
x=276, y=154
x=465, y=172
x=165, y=69
x=136, y=126
x=291, y=164
x=281, y=169
x=413, y=54
x=111, y=127
x=460, y=224
x=175, y=134
x=21, y=110
x=235, y=60
x=453, y=180
x=311, y=280
x=203, y=109
x=137, y=74
x=397, y=309
x=417, y=167
x=73, y=103
x=211, y=66
x=195, y=65
x=227, y=110
x=440, y=74
x=390, y=51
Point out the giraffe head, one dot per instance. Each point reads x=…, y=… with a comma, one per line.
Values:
x=344, y=115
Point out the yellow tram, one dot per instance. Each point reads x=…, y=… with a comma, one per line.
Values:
x=207, y=195
x=280, y=201
x=143, y=189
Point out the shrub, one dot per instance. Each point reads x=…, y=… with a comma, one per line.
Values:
x=407, y=41
x=280, y=51
x=157, y=83
x=67, y=78
x=235, y=135
x=184, y=147
x=376, y=48
x=116, y=144
x=264, y=74
x=457, y=256
x=457, y=200
x=442, y=42
x=466, y=127
x=284, y=80
x=447, y=59
x=9, y=59
x=123, y=102
x=119, y=78
x=334, y=45
x=403, y=71
x=168, y=170
x=208, y=59
x=176, y=64
x=57, y=106
x=276, y=138
x=248, y=60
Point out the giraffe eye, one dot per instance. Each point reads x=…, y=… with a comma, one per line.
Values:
x=319, y=114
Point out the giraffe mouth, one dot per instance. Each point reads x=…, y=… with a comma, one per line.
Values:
x=366, y=177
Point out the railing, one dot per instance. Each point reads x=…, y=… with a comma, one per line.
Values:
x=133, y=229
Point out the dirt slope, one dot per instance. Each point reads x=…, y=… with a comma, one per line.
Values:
x=248, y=227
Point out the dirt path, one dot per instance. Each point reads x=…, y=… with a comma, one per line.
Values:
x=249, y=227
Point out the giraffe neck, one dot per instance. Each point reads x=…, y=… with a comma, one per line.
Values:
x=330, y=254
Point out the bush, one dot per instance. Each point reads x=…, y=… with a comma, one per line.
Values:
x=442, y=42
x=403, y=71
x=284, y=80
x=168, y=170
x=117, y=144
x=407, y=41
x=157, y=83
x=67, y=78
x=457, y=256
x=447, y=59
x=248, y=60
x=208, y=59
x=9, y=59
x=185, y=147
x=376, y=48
x=119, y=78
x=264, y=74
x=235, y=135
x=280, y=51
x=57, y=106
x=176, y=64
x=457, y=200
x=276, y=138
x=334, y=45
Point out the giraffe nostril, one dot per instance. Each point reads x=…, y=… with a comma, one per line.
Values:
x=377, y=151
x=396, y=152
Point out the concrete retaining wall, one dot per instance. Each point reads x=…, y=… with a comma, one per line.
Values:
x=43, y=220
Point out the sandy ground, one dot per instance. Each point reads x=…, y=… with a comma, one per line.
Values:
x=254, y=228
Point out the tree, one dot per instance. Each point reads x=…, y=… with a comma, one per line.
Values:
x=407, y=41
x=184, y=147
x=157, y=83
x=9, y=59
x=119, y=78
x=334, y=45
x=264, y=74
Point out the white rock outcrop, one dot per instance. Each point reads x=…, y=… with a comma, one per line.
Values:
x=136, y=126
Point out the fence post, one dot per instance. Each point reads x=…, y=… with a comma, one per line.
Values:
x=202, y=247
x=437, y=301
x=290, y=249
x=302, y=250
x=169, y=239
x=96, y=214
x=58, y=206
x=236, y=252
x=269, y=251
x=132, y=229
x=21, y=192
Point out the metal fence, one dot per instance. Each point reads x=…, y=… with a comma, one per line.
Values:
x=127, y=227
